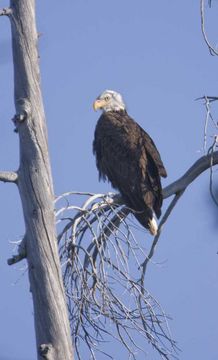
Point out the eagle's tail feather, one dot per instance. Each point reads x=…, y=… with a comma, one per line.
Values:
x=153, y=227
x=148, y=220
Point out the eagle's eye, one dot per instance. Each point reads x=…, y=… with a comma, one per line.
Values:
x=107, y=98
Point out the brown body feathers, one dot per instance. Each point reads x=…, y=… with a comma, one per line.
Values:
x=129, y=159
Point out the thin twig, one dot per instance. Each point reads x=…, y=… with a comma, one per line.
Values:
x=210, y=47
x=155, y=241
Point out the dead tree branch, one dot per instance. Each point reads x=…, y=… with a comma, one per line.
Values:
x=21, y=253
x=98, y=251
x=202, y=164
x=209, y=118
x=102, y=259
x=8, y=176
x=5, y=12
x=212, y=50
x=156, y=238
x=211, y=150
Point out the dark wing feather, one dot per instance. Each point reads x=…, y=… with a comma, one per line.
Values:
x=153, y=153
x=152, y=170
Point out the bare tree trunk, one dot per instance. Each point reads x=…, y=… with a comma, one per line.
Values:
x=36, y=190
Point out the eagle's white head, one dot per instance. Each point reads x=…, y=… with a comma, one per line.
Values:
x=109, y=100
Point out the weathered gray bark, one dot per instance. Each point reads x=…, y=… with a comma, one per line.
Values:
x=36, y=190
x=202, y=164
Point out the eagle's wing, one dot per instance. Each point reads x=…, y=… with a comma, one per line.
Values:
x=153, y=153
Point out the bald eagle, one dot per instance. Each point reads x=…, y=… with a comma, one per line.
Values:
x=128, y=158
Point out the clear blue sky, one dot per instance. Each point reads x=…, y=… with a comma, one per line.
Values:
x=154, y=54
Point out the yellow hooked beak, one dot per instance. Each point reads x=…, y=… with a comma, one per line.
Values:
x=99, y=104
